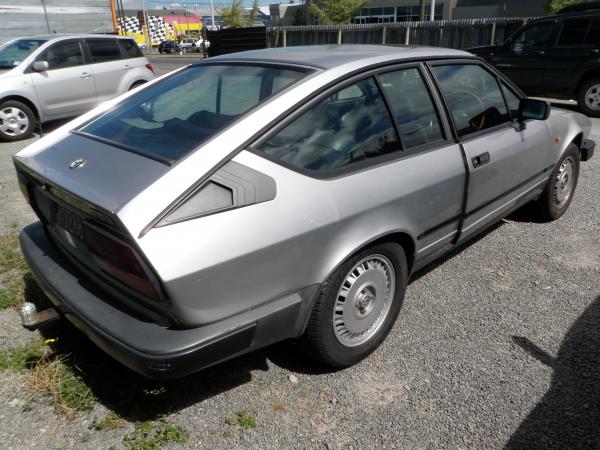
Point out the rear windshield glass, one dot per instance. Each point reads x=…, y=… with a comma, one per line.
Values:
x=171, y=118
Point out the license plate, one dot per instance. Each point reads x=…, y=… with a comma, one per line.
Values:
x=69, y=221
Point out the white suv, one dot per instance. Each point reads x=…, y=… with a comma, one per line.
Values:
x=44, y=78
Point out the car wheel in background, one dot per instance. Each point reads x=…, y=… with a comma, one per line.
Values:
x=588, y=98
x=136, y=84
x=557, y=195
x=357, y=306
x=17, y=121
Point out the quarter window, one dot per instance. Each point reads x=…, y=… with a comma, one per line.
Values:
x=573, y=32
x=593, y=36
x=348, y=127
x=473, y=97
x=104, y=50
x=130, y=48
x=417, y=120
x=538, y=35
x=63, y=55
x=511, y=100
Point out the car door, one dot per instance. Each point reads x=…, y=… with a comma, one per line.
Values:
x=67, y=88
x=523, y=58
x=108, y=66
x=570, y=52
x=506, y=163
x=384, y=150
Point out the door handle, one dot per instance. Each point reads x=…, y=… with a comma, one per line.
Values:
x=480, y=160
x=541, y=52
x=86, y=75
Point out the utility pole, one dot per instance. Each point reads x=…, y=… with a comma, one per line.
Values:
x=146, y=25
x=421, y=10
x=212, y=16
x=432, y=18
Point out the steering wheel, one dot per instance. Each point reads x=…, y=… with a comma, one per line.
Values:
x=467, y=111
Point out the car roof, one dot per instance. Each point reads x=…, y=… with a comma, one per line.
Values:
x=50, y=37
x=330, y=56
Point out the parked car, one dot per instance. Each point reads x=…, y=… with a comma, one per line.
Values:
x=48, y=77
x=557, y=56
x=190, y=45
x=168, y=47
x=281, y=193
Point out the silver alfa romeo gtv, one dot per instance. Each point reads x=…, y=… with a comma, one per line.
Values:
x=281, y=193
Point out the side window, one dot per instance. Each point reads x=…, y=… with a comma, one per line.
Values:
x=573, y=32
x=593, y=36
x=349, y=126
x=539, y=35
x=103, y=50
x=63, y=55
x=418, y=122
x=473, y=97
x=130, y=48
x=512, y=100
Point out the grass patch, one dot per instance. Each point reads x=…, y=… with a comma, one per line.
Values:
x=150, y=436
x=110, y=422
x=50, y=375
x=243, y=419
x=15, y=279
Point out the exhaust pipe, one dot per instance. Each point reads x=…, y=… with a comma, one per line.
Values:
x=32, y=319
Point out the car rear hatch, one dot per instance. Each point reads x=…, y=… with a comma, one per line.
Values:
x=76, y=187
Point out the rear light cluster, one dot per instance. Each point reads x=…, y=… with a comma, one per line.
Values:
x=149, y=67
x=120, y=261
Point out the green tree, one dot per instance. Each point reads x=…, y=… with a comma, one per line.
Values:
x=233, y=16
x=299, y=17
x=555, y=5
x=253, y=14
x=329, y=12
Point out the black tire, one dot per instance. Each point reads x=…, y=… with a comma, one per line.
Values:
x=548, y=207
x=593, y=84
x=136, y=84
x=320, y=340
x=23, y=111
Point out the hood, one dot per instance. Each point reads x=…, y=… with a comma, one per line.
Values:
x=107, y=176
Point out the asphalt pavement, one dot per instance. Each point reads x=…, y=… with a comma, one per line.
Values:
x=497, y=345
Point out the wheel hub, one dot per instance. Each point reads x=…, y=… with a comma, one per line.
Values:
x=13, y=121
x=592, y=97
x=563, y=185
x=364, y=300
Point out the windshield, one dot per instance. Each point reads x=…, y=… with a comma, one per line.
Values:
x=171, y=118
x=12, y=53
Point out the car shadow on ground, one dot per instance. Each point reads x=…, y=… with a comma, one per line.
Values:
x=568, y=416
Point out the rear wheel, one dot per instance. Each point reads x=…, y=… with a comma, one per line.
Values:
x=17, y=121
x=557, y=195
x=357, y=306
x=588, y=98
x=136, y=84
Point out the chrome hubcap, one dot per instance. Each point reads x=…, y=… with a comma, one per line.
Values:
x=592, y=97
x=13, y=121
x=364, y=300
x=563, y=185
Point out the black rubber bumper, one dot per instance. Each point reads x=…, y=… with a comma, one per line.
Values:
x=147, y=348
x=587, y=149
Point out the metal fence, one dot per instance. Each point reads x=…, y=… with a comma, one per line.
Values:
x=458, y=34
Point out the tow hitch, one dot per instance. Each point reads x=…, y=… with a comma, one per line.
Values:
x=32, y=319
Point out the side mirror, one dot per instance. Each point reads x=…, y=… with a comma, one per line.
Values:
x=40, y=66
x=530, y=108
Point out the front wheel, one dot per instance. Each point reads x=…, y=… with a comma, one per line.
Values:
x=588, y=98
x=357, y=306
x=559, y=191
x=17, y=121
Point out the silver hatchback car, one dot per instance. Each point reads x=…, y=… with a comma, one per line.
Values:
x=281, y=193
x=48, y=77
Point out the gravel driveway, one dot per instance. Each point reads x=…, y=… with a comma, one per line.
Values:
x=497, y=345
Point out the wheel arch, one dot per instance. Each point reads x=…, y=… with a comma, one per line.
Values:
x=585, y=77
x=24, y=100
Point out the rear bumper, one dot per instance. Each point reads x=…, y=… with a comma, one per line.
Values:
x=148, y=348
x=587, y=149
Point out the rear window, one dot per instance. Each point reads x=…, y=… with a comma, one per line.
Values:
x=169, y=119
x=573, y=32
x=130, y=48
x=103, y=50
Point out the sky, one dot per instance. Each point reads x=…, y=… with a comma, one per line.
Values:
x=190, y=4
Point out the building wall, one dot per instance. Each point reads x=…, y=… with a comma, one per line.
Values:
x=29, y=17
x=467, y=9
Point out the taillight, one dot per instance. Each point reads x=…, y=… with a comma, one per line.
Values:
x=149, y=67
x=120, y=261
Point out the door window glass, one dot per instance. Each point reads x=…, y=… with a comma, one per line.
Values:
x=593, y=36
x=473, y=97
x=343, y=129
x=417, y=119
x=62, y=55
x=130, y=48
x=104, y=50
x=539, y=35
x=573, y=32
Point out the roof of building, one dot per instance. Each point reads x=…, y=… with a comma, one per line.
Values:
x=330, y=56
